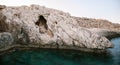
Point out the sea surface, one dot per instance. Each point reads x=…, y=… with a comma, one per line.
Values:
x=62, y=57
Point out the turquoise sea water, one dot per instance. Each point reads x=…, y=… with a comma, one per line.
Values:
x=62, y=57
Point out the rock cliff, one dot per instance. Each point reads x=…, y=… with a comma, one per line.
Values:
x=38, y=26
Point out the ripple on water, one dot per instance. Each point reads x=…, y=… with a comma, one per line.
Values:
x=62, y=57
x=115, y=52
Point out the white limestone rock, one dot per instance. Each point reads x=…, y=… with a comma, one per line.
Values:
x=63, y=30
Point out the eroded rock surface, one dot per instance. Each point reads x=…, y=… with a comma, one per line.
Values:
x=48, y=28
x=5, y=39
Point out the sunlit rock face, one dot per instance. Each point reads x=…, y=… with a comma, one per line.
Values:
x=38, y=26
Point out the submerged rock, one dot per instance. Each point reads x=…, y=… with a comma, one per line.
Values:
x=5, y=39
x=48, y=28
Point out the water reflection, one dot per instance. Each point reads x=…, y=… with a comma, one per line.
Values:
x=115, y=52
x=62, y=57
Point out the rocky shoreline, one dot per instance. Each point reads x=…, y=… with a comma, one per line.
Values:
x=14, y=48
x=40, y=27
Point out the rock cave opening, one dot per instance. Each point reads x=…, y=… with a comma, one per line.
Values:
x=42, y=23
x=3, y=24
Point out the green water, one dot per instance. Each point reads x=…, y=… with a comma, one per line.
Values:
x=62, y=57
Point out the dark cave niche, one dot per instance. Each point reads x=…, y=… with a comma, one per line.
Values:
x=42, y=23
x=3, y=24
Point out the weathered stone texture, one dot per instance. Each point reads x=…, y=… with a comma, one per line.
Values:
x=60, y=30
